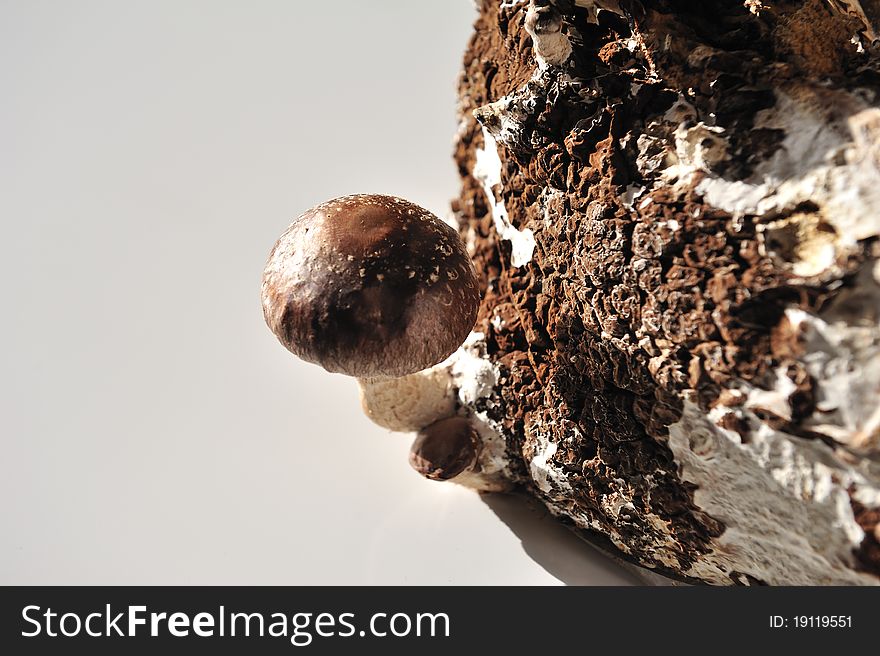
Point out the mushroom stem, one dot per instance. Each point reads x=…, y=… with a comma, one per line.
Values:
x=408, y=403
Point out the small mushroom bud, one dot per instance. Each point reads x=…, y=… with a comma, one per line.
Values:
x=445, y=449
x=374, y=287
x=452, y=449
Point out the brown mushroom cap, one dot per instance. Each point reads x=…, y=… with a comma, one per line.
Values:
x=444, y=449
x=370, y=286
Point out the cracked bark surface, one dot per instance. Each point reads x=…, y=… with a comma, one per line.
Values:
x=672, y=207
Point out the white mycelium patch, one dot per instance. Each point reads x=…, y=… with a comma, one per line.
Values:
x=549, y=479
x=832, y=165
x=474, y=378
x=782, y=499
x=488, y=171
x=549, y=43
x=842, y=354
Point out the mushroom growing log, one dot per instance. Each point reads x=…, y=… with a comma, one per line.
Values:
x=673, y=211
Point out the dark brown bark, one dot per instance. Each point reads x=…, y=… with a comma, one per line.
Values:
x=668, y=288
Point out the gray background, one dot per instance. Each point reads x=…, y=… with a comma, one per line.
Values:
x=153, y=430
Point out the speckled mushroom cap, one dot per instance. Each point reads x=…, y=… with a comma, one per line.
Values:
x=370, y=286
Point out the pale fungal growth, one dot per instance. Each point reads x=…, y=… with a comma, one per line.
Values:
x=801, y=242
x=377, y=288
x=488, y=171
x=544, y=25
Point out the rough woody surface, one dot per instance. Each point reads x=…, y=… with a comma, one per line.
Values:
x=674, y=210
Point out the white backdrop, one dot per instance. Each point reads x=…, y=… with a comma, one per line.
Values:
x=153, y=430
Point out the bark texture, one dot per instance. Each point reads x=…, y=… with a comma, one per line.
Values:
x=673, y=210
